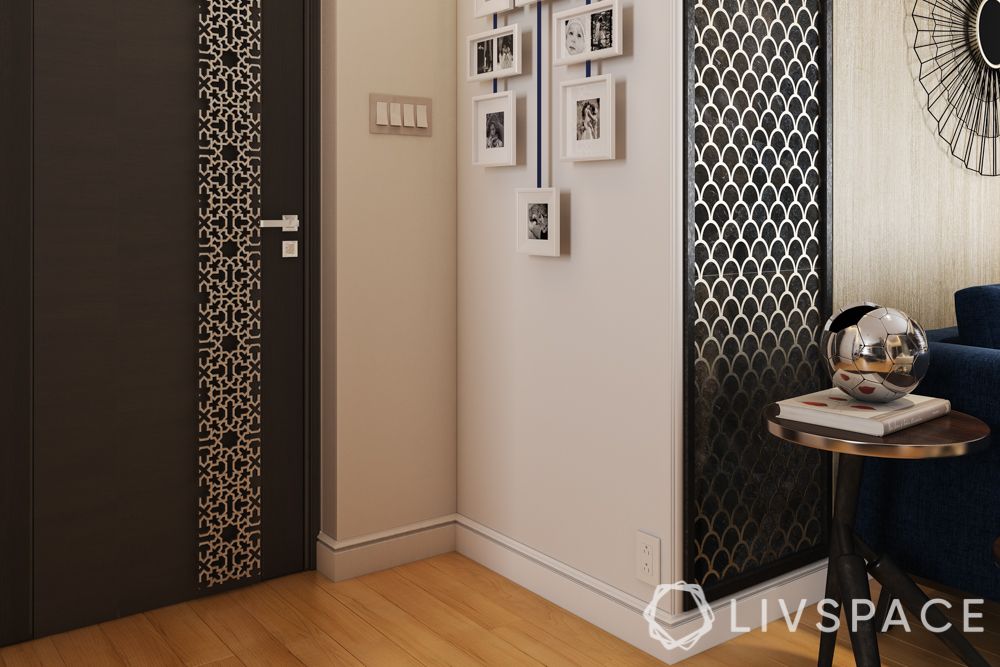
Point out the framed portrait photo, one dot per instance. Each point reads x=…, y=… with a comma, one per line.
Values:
x=538, y=221
x=487, y=7
x=587, y=109
x=495, y=54
x=590, y=32
x=494, y=130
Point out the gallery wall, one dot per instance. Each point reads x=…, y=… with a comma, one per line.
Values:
x=389, y=298
x=911, y=224
x=569, y=371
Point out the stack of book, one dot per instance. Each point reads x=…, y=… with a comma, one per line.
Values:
x=835, y=409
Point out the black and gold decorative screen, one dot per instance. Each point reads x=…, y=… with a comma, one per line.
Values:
x=229, y=282
x=757, y=284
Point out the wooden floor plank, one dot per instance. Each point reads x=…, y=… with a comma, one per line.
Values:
x=413, y=636
x=239, y=630
x=542, y=646
x=446, y=620
x=352, y=632
x=39, y=652
x=295, y=630
x=458, y=594
x=86, y=647
x=138, y=643
x=184, y=631
x=602, y=646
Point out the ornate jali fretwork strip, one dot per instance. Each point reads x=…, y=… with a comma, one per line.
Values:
x=229, y=275
x=756, y=243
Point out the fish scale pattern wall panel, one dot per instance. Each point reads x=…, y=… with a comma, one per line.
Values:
x=756, y=285
x=229, y=281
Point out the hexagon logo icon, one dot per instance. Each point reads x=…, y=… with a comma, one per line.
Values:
x=659, y=633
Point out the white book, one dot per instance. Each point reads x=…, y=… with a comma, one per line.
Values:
x=835, y=409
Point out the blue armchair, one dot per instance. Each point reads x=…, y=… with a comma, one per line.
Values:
x=942, y=517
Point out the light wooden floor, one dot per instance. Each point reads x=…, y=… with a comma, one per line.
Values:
x=443, y=611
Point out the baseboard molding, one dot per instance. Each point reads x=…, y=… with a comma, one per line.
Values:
x=618, y=612
x=345, y=559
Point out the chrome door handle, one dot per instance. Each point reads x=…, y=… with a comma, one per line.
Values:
x=288, y=223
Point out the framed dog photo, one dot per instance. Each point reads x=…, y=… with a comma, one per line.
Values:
x=494, y=130
x=590, y=32
x=495, y=54
x=538, y=221
x=487, y=7
x=588, y=119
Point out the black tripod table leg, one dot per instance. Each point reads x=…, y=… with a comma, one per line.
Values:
x=828, y=640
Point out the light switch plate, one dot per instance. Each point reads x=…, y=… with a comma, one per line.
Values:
x=400, y=115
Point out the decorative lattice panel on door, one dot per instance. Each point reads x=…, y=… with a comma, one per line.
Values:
x=229, y=280
x=757, y=284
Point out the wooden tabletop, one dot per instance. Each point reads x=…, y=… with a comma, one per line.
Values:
x=955, y=434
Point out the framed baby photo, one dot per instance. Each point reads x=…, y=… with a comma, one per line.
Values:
x=494, y=130
x=495, y=54
x=487, y=7
x=587, y=108
x=590, y=32
x=538, y=221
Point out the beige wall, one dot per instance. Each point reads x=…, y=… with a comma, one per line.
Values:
x=911, y=223
x=569, y=368
x=389, y=302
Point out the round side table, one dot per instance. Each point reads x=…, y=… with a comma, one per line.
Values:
x=851, y=560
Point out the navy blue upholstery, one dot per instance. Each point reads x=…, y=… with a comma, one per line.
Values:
x=977, y=310
x=939, y=518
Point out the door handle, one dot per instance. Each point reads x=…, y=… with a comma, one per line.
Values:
x=288, y=223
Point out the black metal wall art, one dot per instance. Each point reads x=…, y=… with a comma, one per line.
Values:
x=757, y=284
x=958, y=44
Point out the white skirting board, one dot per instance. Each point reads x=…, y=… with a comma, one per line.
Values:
x=607, y=607
x=620, y=613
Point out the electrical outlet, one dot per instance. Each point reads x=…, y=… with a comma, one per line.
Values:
x=647, y=558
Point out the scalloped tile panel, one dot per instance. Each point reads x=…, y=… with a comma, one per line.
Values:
x=755, y=285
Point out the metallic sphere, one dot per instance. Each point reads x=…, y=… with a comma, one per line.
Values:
x=875, y=354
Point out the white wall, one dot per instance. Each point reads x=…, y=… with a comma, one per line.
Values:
x=569, y=370
x=911, y=223
x=389, y=299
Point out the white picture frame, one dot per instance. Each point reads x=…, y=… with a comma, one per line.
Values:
x=488, y=7
x=538, y=207
x=494, y=121
x=587, y=119
x=583, y=33
x=525, y=3
x=494, y=54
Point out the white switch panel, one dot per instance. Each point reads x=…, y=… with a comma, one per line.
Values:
x=382, y=113
x=399, y=115
x=289, y=248
x=647, y=558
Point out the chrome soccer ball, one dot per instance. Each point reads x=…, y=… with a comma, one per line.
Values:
x=875, y=354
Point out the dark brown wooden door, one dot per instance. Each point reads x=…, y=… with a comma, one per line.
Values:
x=166, y=437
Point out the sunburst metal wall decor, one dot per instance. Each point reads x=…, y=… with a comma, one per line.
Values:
x=958, y=44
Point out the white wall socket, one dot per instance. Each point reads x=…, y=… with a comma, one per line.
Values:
x=647, y=558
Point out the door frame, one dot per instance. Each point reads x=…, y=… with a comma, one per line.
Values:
x=16, y=304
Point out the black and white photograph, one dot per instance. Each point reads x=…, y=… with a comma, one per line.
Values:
x=505, y=52
x=487, y=7
x=538, y=222
x=484, y=56
x=588, y=119
x=588, y=32
x=494, y=130
x=495, y=54
x=602, y=30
